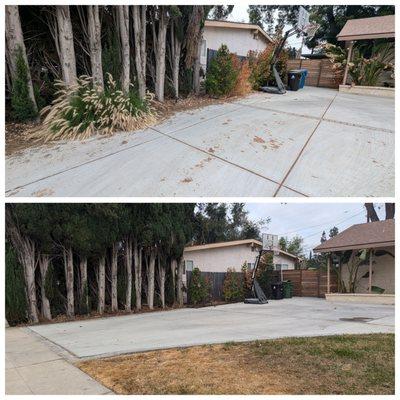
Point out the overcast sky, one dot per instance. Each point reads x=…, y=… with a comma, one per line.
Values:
x=240, y=14
x=309, y=219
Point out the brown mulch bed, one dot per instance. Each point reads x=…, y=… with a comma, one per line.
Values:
x=343, y=364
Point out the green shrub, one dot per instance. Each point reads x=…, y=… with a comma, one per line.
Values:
x=265, y=273
x=84, y=109
x=16, y=304
x=221, y=75
x=233, y=286
x=199, y=288
x=22, y=106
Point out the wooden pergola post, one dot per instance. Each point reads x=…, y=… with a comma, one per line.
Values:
x=349, y=54
x=328, y=275
x=370, y=272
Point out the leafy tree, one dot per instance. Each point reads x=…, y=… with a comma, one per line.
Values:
x=293, y=245
x=333, y=232
x=221, y=75
x=199, y=288
x=233, y=286
x=23, y=108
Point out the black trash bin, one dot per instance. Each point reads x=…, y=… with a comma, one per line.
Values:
x=277, y=290
x=294, y=78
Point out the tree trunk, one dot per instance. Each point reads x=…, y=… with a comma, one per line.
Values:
x=128, y=266
x=114, y=277
x=66, y=45
x=69, y=281
x=173, y=274
x=176, y=56
x=101, y=285
x=389, y=209
x=94, y=30
x=180, y=283
x=150, y=279
x=372, y=216
x=123, y=19
x=139, y=27
x=14, y=42
x=83, y=290
x=196, y=70
x=44, y=262
x=161, y=281
x=137, y=252
x=25, y=249
x=159, y=40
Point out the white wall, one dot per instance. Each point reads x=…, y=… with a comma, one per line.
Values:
x=239, y=41
x=382, y=273
x=222, y=258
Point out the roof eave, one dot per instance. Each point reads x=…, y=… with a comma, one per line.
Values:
x=354, y=247
x=368, y=36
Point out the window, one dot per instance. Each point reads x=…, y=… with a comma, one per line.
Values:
x=278, y=267
x=285, y=266
x=188, y=265
x=250, y=266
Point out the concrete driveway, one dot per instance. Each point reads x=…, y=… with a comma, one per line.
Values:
x=232, y=322
x=314, y=142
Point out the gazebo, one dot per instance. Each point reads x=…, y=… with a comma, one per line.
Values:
x=378, y=239
x=365, y=29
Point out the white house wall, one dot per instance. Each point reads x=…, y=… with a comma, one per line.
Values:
x=220, y=259
x=382, y=274
x=239, y=41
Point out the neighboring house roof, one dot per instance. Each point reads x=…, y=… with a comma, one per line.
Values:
x=368, y=28
x=237, y=25
x=252, y=242
x=361, y=236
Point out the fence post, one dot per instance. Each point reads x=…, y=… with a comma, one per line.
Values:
x=319, y=72
x=301, y=283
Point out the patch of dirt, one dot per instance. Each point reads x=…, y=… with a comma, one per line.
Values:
x=343, y=364
x=258, y=139
x=186, y=180
x=43, y=192
x=17, y=137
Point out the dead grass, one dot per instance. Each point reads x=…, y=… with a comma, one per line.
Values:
x=348, y=364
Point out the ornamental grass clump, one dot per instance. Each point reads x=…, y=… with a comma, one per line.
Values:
x=84, y=109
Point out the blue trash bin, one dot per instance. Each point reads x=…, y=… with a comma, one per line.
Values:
x=303, y=78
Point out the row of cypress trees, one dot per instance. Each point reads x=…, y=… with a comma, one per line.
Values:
x=78, y=258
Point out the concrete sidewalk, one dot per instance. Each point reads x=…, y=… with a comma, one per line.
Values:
x=33, y=367
x=298, y=316
x=314, y=142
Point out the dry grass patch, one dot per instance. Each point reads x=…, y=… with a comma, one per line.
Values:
x=348, y=364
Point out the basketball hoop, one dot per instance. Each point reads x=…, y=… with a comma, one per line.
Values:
x=310, y=30
x=270, y=242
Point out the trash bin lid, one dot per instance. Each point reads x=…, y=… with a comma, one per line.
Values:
x=295, y=71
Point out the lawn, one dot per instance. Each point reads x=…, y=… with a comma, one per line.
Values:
x=346, y=364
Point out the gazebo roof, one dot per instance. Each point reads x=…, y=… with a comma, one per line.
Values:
x=368, y=28
x=361, y=236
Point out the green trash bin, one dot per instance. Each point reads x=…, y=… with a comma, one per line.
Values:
x=287, y=289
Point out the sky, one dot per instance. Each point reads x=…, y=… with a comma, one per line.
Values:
x=309, y=219
x=239, y=14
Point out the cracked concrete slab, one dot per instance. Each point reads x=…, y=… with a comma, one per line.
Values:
x=260, y=140
x=163, y=168
x=250, y=147
x=33, y=368
x=294, y=317
x=356, y=161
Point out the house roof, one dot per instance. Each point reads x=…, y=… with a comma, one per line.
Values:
x=368, y=28
x=361, y=236
x=238, y=25
x=251, y=242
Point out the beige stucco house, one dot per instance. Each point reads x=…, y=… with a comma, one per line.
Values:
x=218, y=257
x=378, y=270
x=238, y=36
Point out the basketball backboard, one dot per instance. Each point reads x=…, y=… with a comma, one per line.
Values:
x=303, y=19
x=270, y=242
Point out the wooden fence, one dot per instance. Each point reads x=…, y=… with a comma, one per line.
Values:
x=306, y=283
x=320, y=72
